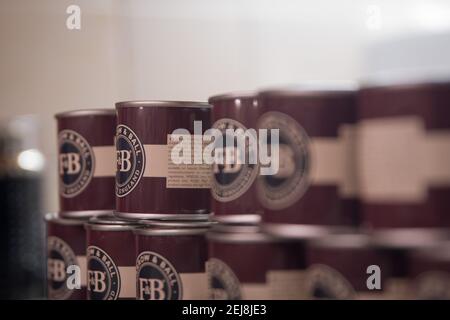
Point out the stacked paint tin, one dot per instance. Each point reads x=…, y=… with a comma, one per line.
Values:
x=86, y=185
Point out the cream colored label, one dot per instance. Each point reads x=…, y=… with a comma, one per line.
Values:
x=287, y=284
x=105, y=161
x=159, y=163
x=255, y=291
x=82, y=263
x=333, y=161
x=393, y=289
x=195, y=286
x=193, y=175
x=127, y=282
x=399, y=160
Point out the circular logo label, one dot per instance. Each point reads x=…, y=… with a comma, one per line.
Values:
x=323, y=282
x=157, y=279
x=59, y=256
x=288, y=185
x=130, y=160
x=76, y=163
x=103, y=275
x=223, y=283
x=433, y=285
x=234, y=171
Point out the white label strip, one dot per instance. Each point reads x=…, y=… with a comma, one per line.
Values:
x=195, y=286
x=399, y=159
x=287, y=284
x=127, y=282
x=155, y=160
x=105, y=161
x=82, y=263
x=333, y=161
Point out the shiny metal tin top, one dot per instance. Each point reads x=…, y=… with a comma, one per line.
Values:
x=240, y=233
x=162, y=104
x=85, y=112
x=233, y=96
x=55, y=218
x=315, y=89
x=172, y=228
x=110, y=223
x=343, y=241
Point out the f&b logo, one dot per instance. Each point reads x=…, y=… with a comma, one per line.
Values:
x=60, y=255
x=157, y=279
x=103, y=275
x=130, y=160
x=76, y=163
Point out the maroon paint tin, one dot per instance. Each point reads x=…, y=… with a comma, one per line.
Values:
x=149, y=183
x=111, y=259
x=86, y=161
x=430, y=271
x=170, y=263
x=232, y=187
x=315, y=187
x=404, y=155
x=247, y=264
x=66, y=246
x=341, y=266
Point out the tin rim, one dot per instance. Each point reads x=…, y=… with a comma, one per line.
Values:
x=53, y=217
x=145, y=231
x=238, y=218
x=343, y=241
x=303, y=232
x=162, y=216
x=162, y=104
x=233, y=95
x=110, y=223
x=313, y=89
x=408, y=238
x=181, y=224
x=85, y=112
x=84, y=214
x=241, y=234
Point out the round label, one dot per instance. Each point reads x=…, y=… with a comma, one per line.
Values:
x=433, y=285
x=156, y=278
x=59, y=256
x=324, y=282
x=103, y=275
x=223, y=283
x=130, y=160
x=234, y=169
x=288, y=185
x=76, y=163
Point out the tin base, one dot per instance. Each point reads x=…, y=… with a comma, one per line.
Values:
x=238, y=219
x=161, y=216
x=405, y=238
x=83, y=214
x=301, y=231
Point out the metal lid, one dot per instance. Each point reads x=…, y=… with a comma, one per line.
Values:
x=162, y=104
x=408, y=238
x=85, y=112
x=110, y=223
x=343, y=241
x=86, y=214
x=232, y=233
x=172, y=228
x=238, y=218
x=313, y=89
x=233, y=96
x=302, y=231
x=55, y=218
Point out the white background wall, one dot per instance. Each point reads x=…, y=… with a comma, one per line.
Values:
x=178, y=49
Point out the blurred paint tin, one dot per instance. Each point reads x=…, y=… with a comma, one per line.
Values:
x=86, y=161
x=170, y=261
x=232, y=187
x=247, y=264
x=66, y=247
x=350, y=266
x=150, y=184
x=315, y=186
x=111, y=259
x=404, y=155
x=430, y=270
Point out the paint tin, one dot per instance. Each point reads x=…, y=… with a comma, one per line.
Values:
x=404, y=155
x=111, y=258
x=86, y=161
x=66, y=247
x=247, y=264
x=232, y=187
x=149, y=182
x=314, y=189
x=170, y=263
